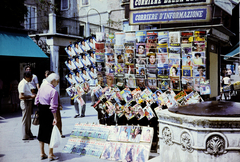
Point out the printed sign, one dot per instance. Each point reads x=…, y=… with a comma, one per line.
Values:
x=183, y=15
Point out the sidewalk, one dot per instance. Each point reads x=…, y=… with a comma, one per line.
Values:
x=13, y=148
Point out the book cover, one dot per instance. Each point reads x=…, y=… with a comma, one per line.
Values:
x=187, y=84
x=68, y=147
x=124, y=133
x=135, y=134
x=142, y=152
x=119, y=37
x=141, y=36
x=130, y=152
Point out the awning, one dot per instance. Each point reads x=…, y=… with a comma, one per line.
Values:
x=19, y=45
x=235, y=51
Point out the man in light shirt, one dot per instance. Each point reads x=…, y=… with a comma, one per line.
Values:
x=78, y=63
x=70, y=51
x=77, y=49
x=34, y=83
x=26, y=98
x=84, y=46
x=85, y=61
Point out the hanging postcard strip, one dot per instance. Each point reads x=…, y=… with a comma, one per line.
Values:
x=187, y=84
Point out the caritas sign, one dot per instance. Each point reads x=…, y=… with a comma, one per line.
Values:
x=171, y=15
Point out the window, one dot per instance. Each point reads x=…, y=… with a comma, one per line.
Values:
x=85, y=2
x=64, y=4
x=30, y=21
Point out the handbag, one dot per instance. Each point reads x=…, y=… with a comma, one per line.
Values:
x=36, y=118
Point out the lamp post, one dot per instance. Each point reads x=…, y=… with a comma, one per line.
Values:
x=87, y=28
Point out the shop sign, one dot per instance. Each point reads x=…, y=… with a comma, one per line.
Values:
x=220, y=35
x=144, y=4
x=174, y=15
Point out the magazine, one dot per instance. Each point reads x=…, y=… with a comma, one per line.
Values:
x=168, y=98
x=76, y=149
x=108, y=150
x=147, y=134
x=163, y=38
x=100, y=37
x=193, y=97
x=135, y=134
x=187, y=84
x=118, y=153
x=163, y=84
x=119, y=36
x=175, y=83
x=130, y=80
x=130, y=152
x=98, y=149
x=141, y=36
x=180, y=96
x=68, y=147
x=124, y=133
x=148, y=112
x=113, y=133
x=140, y=113
x=126, y=94
x=142, y=152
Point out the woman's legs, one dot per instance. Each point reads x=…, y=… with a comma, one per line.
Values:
x=42, y=148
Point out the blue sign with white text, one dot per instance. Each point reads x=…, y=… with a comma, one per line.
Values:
x=175, y=15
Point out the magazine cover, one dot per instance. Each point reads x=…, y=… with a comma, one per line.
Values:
x=198, y=58
x=180, y=96
x=146, y=93
x=151, y=48
x=205, y=89
x=199, y=46
x=140, y=70
x=140, y=113
x=163, y=38
x=98, y=149
x=147, y=134
x=141, y=60
x=100, y=52
x=72, y=92
x=186, y=50
x=135, y=134
x=148, y=112
x=175, y=83
x=152, y=37
x=141, y=36
x=141, y=82
x=126, y=94
x=130, y=80
x=68, y=147
x=119, y=151
x=100, y=37
x=200, y=35
x=162, y=71
x=193, y=97
x=108, y=150
x=186, y=71
x=187, y=60
x=70, y=64
x=119, y=36
x=110, y=38
x=130, y=152
x=142, y=153
x=77, y=62
x=174, y=39
x=119, y=56
x=113, y=133
x=130, y=38
x=70, y=51
x=168, y=98
x=162, y=58
x=157, y=96
x=129, y=53
x=199, y=71
x=163, y=84
x=124, y=133
x=76, y=149
x=187, y=84
x=141, y=49
x=152, y=82
x=75, y=130
x=186, y=37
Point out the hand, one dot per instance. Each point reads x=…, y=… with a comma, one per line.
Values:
x=54, y=121
x=33, y=96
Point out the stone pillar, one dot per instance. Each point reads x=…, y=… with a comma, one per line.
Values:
x=87, y=29
x=52, y=23
x=54, y=58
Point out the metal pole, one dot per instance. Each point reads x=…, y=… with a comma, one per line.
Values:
x=98, y=14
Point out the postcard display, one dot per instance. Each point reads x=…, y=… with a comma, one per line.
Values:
x=117, y=143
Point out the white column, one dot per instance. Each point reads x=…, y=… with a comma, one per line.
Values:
x=54, y=57
x=87, y=29
x=52, y=23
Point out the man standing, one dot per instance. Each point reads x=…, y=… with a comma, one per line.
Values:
x=34, y=83
x=26, y=98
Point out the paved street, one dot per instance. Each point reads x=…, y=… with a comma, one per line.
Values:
x=13, y=148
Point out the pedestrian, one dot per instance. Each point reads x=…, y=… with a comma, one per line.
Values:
x=47, y=102
x=26, y=97
x=59, y=118
x=34, y=82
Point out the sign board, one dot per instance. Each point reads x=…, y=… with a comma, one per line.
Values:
x=171, y=15
x=147, y=4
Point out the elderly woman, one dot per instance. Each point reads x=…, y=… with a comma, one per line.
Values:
x=47, y=101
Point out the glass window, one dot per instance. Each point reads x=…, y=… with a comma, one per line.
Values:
x=64, y=4
x=85, y=2
x=30, y=21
